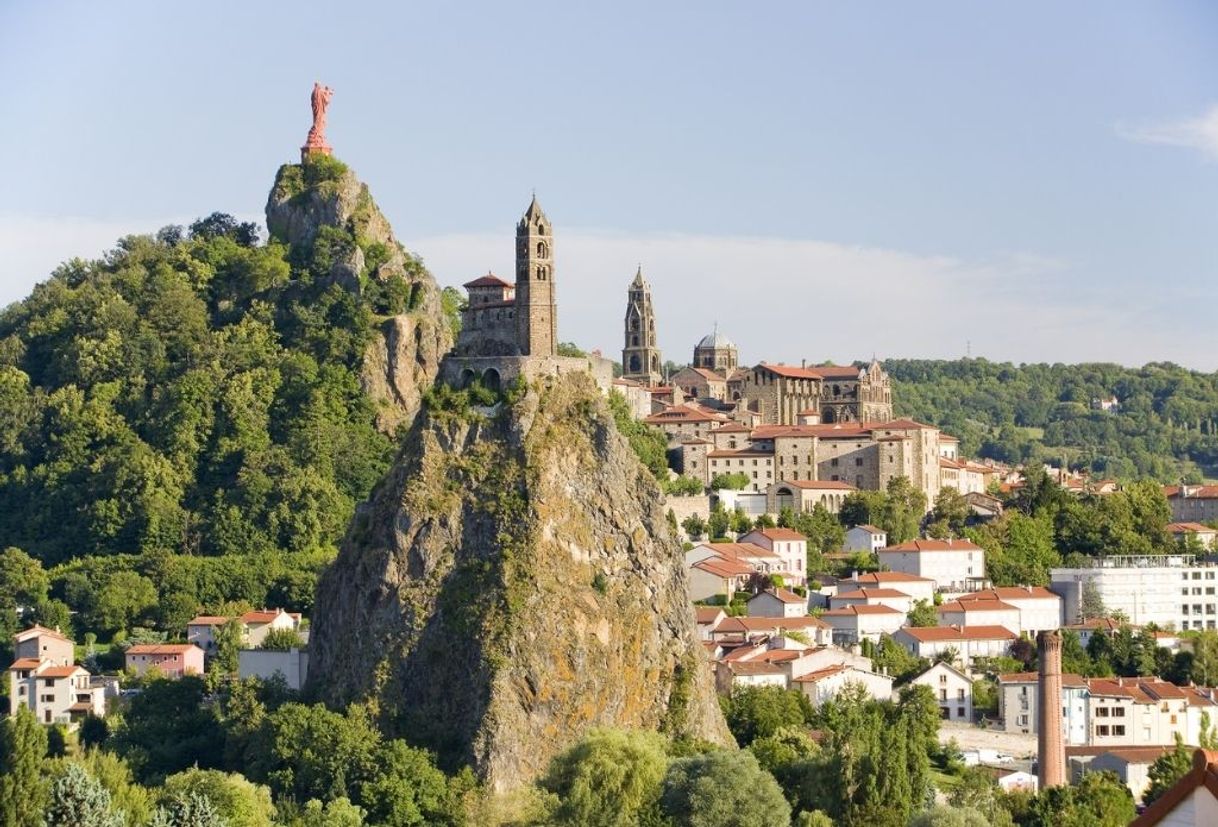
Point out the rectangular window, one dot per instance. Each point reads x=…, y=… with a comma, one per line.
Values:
x=1101, y=712
x=833, y=462
x=1118, y=712
x=1118, y=730
x=1101, y=730
x=858, y=461
x=960, y=694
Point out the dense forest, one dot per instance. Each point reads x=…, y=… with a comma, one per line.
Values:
x=196, y=392
x=1164, y=424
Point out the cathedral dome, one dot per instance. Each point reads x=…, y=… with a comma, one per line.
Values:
x=716, y=340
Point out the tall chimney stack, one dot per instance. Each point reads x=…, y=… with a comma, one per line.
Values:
x=1051, y=751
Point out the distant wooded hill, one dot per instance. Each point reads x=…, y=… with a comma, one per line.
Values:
x=1164, y=423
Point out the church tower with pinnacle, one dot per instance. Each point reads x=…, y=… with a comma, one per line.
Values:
x=640, y=355
x=536, y=316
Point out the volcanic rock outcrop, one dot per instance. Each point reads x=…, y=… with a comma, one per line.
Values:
x=321, y=204
x=511, y=583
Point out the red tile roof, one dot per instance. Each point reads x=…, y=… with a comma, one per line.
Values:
x=932, y=545
x=25, y=663
x=55, y=672
x=208, y=620
x=779, y=534
x=679, y=414
x=742, y=453
x=722, y=567
x=161, y=648
x=886, y=577
x=870, y=594
x=707, y=614
x=782, y=595
x=40, y=631
x=1010, y=593
x=749, y=667
x=1189, y=528
x=1068, y=679
x=812, y=485
x=772, y=625
x=734, y=551
x=1194, y=491
x=489, y=280
x=935, y=634
x=977, y=606
x=856, y=609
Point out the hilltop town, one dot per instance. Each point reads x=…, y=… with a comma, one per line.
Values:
x=309, y=541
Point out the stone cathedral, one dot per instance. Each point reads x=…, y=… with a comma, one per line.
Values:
x=641, y=360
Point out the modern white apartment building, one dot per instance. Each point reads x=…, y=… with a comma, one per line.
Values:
x=1173, y=591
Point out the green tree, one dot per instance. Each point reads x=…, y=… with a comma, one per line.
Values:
x=1098, y=800
x=23, y=790
x=758, y=711
x=923, y=613
x=236, y=800
x=610, y=777
x=113, y=774
x=337, y=813
x=311, y=752
x=22, y=583
x=281, y=640
x=125, y=599
x=695, y=527
x=406, y=788
x=719, y=522
x=78, y=800
x=168, y=728
x=741, y=523
x=649, y=444
x=902, y=510
x=732, y=481
x=228, y=642
x=720, y=789
x=189, y=810
x=941, y=816
x=951, y=511
x=1167, y=769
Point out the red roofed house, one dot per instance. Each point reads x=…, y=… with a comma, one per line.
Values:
x=968, y=643
x=173, y=659
x=919, y=588
x=712, y=576
x=706, y=618
x=1039, y=609
x=854, y=623
x=892, y=598
x=824, y=684
x=1192, y=503
x=257, y=624
x=953, y=690
x=41, y=643
x=954, y=565
x=966, y=613
x=1188, y=532
x=56, y=694
x=777, y=603
x=789, y=545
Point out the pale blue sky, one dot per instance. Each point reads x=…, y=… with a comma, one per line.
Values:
x=1036, y=182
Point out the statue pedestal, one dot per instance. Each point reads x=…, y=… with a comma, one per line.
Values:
x=314, y=149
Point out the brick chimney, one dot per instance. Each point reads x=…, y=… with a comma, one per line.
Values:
x=1051, y=751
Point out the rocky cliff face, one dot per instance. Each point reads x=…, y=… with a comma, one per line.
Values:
x=324, y=203
x=510, y=584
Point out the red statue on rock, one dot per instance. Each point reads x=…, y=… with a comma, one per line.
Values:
x=316, y=142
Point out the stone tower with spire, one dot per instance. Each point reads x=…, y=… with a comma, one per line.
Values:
x=536, y=315
x=640, y=354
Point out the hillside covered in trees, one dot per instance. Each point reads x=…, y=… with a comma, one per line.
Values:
x=1164, y=424
x=200, y=391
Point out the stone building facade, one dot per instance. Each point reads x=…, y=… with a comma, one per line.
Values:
x=641, y=360
x=511, y=330
x=789, y=395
